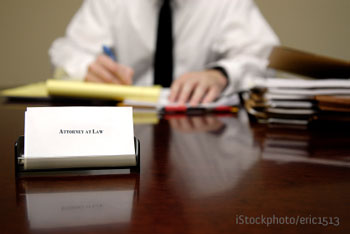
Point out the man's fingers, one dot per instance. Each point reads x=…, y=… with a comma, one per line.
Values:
x=120, y=72
x=90, y=77
x=174, y=91
x=186, y=92
x=198, y=95
x=125, y=74
x=104, y=75
x=211, y=95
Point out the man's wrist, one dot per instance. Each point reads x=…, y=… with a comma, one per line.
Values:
x=220, y=74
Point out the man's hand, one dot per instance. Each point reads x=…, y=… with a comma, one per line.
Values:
x=197, y=87
x=105, y=70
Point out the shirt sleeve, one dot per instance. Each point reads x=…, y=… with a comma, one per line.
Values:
x=85, y=35
x=243, y=45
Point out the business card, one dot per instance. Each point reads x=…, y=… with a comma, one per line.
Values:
x=78, y=131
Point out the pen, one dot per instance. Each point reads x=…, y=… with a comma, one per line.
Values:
x=190, y=110
x=231, y=109
x=109, y=52
x=183, y=115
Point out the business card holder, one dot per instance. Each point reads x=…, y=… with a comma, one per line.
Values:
x=86, y=169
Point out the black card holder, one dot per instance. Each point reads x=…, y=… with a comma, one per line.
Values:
x=21, y=171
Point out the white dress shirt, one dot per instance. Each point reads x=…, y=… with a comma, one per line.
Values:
x=228, y=33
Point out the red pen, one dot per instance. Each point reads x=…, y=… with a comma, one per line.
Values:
x=171, y=109
x=230, y=109
x=196, y=110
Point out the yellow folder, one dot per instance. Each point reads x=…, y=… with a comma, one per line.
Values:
x=80, y=89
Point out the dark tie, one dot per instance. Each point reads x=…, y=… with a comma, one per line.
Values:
x=163, y=60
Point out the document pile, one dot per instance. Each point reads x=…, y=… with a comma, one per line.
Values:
x=299, y=101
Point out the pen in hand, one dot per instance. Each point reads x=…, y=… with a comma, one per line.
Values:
x=124, y=73
x=109, y=52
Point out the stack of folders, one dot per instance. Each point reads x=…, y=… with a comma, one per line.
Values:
x=299, y=101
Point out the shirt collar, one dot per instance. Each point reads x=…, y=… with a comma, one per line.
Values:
x=177, y=3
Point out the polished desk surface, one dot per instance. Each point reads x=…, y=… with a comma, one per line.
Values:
x=198, y=175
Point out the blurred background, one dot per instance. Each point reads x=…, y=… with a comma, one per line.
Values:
x=29, y=27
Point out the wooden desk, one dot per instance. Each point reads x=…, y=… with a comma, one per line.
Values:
x=198, y=175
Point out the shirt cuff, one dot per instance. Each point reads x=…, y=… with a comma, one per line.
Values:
x=224, y=73
x=221, y=70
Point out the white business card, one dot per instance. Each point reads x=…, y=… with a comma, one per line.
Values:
x=54, y=132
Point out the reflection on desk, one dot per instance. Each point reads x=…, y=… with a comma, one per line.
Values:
x=285, y=144
x=53, y=203
x=219, y=156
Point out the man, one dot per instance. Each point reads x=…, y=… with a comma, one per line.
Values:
x=216, y=45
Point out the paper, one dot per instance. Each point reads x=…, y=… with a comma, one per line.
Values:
x=293, y=101
x=80, y=89
x=305, y=92
x=163, y=101
x=289, y=104
x=78, y=136
x=304, y=84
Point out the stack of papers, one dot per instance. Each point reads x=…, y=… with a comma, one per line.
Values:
x=296, y=101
